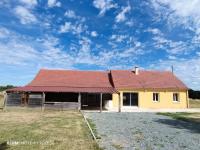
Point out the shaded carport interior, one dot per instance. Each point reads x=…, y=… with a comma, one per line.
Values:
x=88, y=100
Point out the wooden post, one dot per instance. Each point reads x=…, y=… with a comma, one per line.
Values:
x=27, y=96
x=79, y=101
x=5, y=101
x=43, y=101
x=119, y=102
x=101, y=102
x=26, y=99
x=22, y=99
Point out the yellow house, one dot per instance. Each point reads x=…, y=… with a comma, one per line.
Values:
x=114, y=89
x=148, y=89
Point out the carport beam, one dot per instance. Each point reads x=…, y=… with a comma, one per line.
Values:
x=79, y=101
x=43, y=101
x=5, y=101
x=101, y=102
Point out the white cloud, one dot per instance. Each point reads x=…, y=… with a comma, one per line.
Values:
x=118, y=38
x=129, y=23
x=180, y=12
x=130, y=52
x=94, y=34
x=54, y=3
x=4, y=33
x=121, y=17
x=85, y=51
x=66, y=27
x=172, y=47
x=154, y=31
x=5, y=3
x=172, y=57
x=15, y=55
x=24, y=51
x=25, y=15
x=76, y=28
x=70, y=14
x=29, y=3
x=104, y=5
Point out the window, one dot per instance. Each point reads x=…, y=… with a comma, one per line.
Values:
x=130, y=99
x=155, y=97
x=175, y=97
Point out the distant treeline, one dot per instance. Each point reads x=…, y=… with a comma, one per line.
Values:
x=194, y=94
x=3, y=88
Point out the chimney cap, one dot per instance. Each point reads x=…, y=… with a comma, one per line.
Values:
x=136, y=70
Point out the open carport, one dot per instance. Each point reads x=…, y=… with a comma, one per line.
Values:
x=65, y=89
x=57, y=100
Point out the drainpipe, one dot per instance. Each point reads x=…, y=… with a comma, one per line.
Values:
x=187, y=99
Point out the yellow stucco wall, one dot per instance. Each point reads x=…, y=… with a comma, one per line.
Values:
x=145, y=99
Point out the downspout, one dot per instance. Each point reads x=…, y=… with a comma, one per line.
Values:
x=119, y=102
x=187, y=99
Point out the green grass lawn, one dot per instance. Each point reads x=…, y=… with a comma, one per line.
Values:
x=184, y=116
x=194, y=103
x=50, y=130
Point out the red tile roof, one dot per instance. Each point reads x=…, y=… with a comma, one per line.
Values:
x=71, y=78
x=100, y=81
x=69, y=81
x=146, y=80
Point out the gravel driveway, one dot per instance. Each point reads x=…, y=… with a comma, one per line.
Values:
x=144, y=131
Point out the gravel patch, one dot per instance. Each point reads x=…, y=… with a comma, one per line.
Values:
x=144, y=131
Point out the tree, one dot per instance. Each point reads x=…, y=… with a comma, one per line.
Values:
x=3, y=88
x=194, y=94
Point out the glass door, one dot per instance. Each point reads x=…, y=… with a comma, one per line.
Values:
x=130, y=99
x=134, y=99
x=126, y=99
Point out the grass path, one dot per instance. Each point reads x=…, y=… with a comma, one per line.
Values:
x=184, y=116
x=194, y=103
x=33, y=129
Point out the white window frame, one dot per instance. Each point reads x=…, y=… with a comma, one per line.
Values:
x=178, y=98
x=154, y=97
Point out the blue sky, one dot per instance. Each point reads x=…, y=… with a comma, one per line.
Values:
x=99, y=35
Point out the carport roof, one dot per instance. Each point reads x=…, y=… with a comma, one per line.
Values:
x=63, y=89
x=71, y=78
x=69, y=81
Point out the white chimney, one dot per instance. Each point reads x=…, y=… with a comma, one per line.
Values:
x=136, y=70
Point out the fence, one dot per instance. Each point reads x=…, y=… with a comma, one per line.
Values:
x=61, y=105
x=35, y=100
x=13, y=99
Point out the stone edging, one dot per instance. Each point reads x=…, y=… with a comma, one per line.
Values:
x=91, y=131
